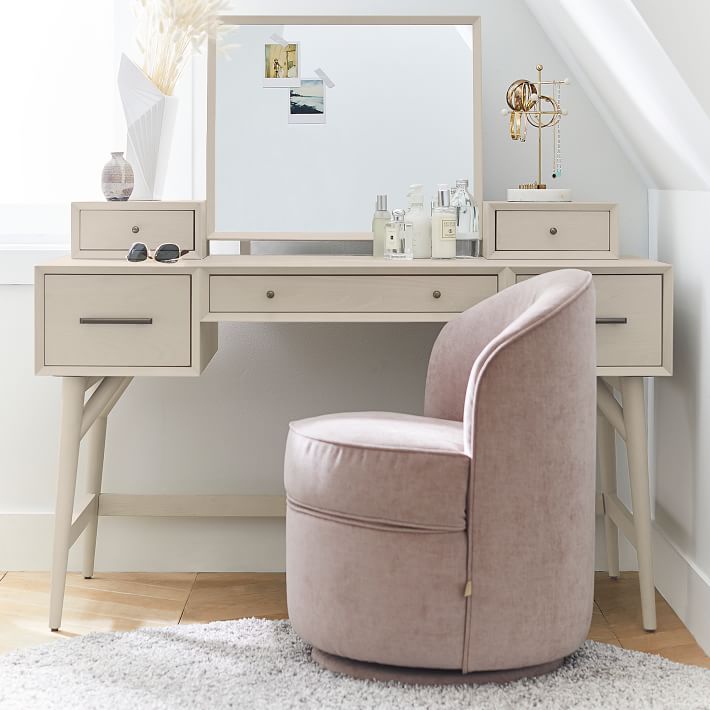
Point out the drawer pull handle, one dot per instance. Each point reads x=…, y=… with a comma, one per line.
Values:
x=436, y=294
x=612, y=321
x=553, y=231
x=270, y=294
x=116, y=321
x=135, y=229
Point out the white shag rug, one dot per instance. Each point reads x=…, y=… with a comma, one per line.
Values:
x=253, y=664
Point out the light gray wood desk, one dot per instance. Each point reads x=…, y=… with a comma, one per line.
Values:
x=102, y=322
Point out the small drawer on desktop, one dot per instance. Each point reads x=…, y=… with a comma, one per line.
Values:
x=348, y=294
x=115, y=230
x=629, y=319
x=113, y=320
x=552, y=230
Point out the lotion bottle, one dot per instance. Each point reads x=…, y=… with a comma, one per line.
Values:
x=379, y=220
x=443, y=226
x=421, y=222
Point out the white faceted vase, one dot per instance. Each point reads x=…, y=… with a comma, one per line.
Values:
x=150, y=119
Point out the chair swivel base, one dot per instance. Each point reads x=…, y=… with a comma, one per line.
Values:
x=425, y=676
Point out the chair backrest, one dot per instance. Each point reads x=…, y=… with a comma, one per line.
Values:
x=463, y=339
x=519, y=370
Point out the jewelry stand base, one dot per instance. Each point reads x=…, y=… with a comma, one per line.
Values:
x=543, y=195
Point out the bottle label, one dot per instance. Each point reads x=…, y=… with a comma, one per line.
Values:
x=448, y=229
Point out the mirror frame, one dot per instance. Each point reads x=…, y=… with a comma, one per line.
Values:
x=245, y=238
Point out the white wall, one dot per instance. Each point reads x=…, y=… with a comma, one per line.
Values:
x=265, y=375
x=682, y=414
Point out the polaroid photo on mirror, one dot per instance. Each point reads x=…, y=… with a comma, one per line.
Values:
x=282, y=65
x=306, y=103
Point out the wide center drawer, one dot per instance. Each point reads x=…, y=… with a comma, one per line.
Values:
x=629, y=319
x=348, y=294
x=542, y=230
x=111, y=230
x=117, y=320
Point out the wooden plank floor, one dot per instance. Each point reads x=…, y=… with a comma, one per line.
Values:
x=122, y=601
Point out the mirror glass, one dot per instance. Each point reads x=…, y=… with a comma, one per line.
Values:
x=313, y=121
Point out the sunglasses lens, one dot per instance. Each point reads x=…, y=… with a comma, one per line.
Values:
x=137, y=252
x=167, y=252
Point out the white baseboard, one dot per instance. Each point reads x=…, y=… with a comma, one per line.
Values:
x=177, y=544
x=684, y=586
x=151, y=544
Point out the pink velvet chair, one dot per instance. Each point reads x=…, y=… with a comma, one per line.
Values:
x=457, y=546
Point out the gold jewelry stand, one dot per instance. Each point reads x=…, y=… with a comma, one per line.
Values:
x=527, y=104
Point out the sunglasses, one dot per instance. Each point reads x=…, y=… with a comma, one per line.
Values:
x=165, y=253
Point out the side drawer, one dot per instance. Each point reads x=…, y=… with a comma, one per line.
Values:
x=348, y=294
x=116, y=230
x=629, y=319
x=550, y=230
x=118, y=320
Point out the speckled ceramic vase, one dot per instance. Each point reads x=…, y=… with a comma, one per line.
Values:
x=117, y=179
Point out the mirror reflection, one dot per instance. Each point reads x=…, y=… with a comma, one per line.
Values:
x=312, y=122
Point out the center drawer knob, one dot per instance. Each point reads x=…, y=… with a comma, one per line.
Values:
x=553, y=231
x=270, y=294
x=436, y=294
x=135, y=229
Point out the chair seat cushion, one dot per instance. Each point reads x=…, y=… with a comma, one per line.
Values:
x=379, y=469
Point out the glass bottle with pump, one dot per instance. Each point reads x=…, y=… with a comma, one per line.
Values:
x=399, y=237
x=379, y=220
x=421, y=221
x=443, y=226
x=467, y=235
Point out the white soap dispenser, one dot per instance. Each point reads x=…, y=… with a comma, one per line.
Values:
x=443, y=226
x=421, y=222
x=379, y=220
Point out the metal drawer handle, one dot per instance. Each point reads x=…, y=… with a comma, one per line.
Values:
x=135, y=229
x=553, y=231
x=612, y=321
x=270, y=294
x=116, y=321
x=436, y=294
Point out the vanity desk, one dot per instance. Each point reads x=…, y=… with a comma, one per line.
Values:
x=100, y=321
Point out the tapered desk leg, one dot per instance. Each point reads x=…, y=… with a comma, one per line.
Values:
x=95, y=455
x=606, y=446
x=637, y=452
x=73, y=389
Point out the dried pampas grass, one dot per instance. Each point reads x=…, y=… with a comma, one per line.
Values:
x=170, y=31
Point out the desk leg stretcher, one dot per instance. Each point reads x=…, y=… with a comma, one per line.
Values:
x=629, y=420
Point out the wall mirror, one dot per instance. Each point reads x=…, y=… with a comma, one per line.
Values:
x=309, y=118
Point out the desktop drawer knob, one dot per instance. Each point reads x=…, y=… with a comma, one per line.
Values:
x=436, y=294
x=135, y=229
x=553, y=231
x=270, y=294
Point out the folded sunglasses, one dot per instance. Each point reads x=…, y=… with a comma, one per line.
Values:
x=164, y=253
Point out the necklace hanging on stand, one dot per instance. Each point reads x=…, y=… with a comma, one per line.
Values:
x=557, y=151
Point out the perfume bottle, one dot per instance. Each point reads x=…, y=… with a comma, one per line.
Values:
x=467, y=235
x=443, y=226
x=399, y=236
x=379, y=220
x=421, y=222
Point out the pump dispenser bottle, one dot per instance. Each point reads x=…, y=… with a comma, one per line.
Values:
x=379, y=220
x=443, y=226
x=421, y=222
x=467, y=235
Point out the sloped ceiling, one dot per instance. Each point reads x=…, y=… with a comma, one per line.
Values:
x=638, y=90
